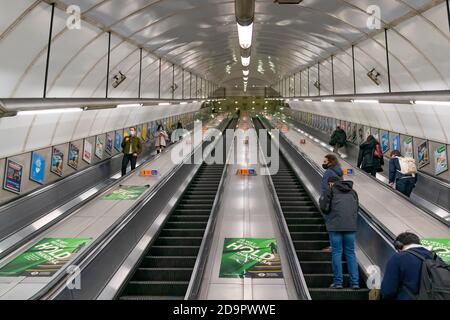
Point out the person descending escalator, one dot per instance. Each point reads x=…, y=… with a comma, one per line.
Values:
x=132, y=148
x=338, y=139
x=161, y=139
x=178, y=133
x=371, y=158
x=340, y=207
x=402, y=173
x=415, y=273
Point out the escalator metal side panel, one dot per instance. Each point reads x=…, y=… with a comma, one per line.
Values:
x=374, y=241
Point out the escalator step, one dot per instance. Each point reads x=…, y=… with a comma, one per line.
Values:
x=178, y=241
x=182, y=233
x=186, y=225
x=169, y=262
x=190, y=212
x=301, y=220
x=309, y=236
x=163, y=274
x=307, y=227
x=193, y=218
x=311, y=245
x=298, y=219
x=149, y=298
x=342, y=294
x=313, y=255
x=174, y=251
x=298, y=209
x=319, y=267
x=156, y=288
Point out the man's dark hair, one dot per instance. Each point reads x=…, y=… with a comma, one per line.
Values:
x=332, y=159
x=408, y=238
x=334, y=179
x=396, y=153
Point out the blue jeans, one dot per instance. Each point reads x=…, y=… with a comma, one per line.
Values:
x=344, y=243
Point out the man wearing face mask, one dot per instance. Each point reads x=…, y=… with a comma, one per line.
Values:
x=131, y=147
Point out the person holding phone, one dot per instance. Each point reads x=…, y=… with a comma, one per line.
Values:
x=132, y=148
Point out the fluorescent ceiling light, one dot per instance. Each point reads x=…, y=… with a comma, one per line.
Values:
x=307, y=100
x=129, y=105
x=328, y=100
x=164, y=104
x=365, y=101
x=245, y=35
x=184, y=103
x=49, y=111
x=245, y=61
x=245, y=78
x=246, y=72
x=437, y=103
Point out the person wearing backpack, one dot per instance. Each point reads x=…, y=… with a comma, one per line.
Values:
x=371, y=158
x=340, y=206
x=332, y=168
x=415, y=273
x=338, y=139
x=402, y=173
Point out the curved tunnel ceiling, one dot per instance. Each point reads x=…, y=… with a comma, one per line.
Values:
x=201, y=35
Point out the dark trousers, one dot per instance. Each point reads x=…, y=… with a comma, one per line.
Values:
x=371, y=170
x=126, y=159
x=405, y=186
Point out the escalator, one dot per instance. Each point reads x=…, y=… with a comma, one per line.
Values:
x=166, y=269
x=309, y=235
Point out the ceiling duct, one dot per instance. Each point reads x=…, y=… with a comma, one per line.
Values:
x=245, y=12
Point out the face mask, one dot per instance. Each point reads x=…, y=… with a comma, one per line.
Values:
x=325, y=166
x=133, y=133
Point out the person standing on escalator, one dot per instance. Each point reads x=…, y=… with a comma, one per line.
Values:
x=371, y=158
x=132, y=148
x=340, y=206
x=338, y=139
x=332, y=169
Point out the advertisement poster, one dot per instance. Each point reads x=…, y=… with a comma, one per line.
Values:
x=360, y=134
x=139, y=132
x=144, y=133
x=74, y=156
x=37, y=172
x=118, y=143
x=99, y=147
x=251, y=258
x=57, y=164
x=126, y=193
x=109, y=143
x=13, y=177
x=376, y=133
x=396, y=142
x=440, y=160
x=385, y=142
x=45, y=258
x=408, y=147
x=440, y=246
x=423, y=155
x=87, y=153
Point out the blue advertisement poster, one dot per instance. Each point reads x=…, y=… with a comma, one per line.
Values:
x=37, y=173
x=385, y=142
x=109, y=143
x=396, y=142
x=118, y=143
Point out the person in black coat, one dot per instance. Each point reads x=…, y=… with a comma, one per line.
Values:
x=340, y=207
x=403, y=183
x=367, y=160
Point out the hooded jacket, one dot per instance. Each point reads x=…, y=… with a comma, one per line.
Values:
x=330, y=172
x=339, y=137
x=340, y=207
x=366, y=158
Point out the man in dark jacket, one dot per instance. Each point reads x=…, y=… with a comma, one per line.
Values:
x=338, y=139
x=403, y=271
x=340, y=207
x=131, y=148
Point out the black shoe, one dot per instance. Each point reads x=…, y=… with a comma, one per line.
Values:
x=355, y=287
x=336, y=286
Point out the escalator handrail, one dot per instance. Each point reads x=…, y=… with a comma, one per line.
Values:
x=205, y=247
x=56, y=285
x=296, y=270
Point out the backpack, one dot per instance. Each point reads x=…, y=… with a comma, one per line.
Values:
x=434, y=279
x=378, y=152
x=407, y=166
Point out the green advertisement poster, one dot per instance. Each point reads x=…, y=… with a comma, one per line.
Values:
x=126, y=193
x=251, y=258
x=440, y=246
x=45, y=258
